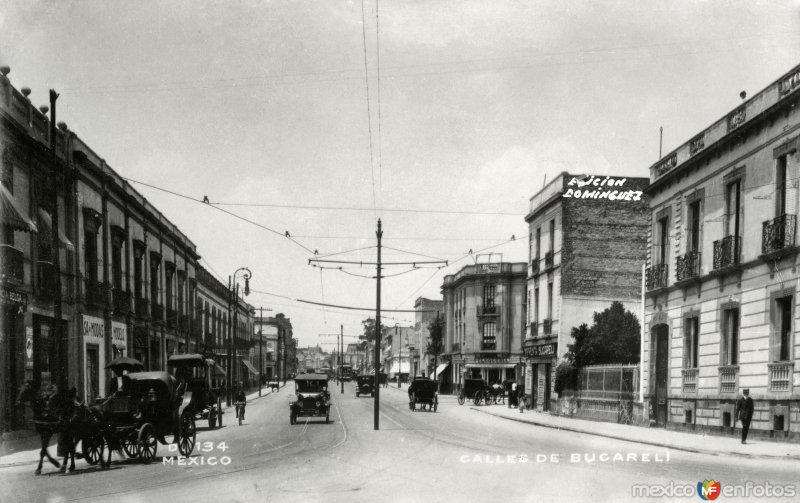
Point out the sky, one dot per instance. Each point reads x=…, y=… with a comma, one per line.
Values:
x=442, y=118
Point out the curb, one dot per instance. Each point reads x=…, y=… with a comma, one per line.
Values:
x=644, y=442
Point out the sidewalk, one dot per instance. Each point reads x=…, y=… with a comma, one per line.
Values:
x=659, y=437
x=23, y=447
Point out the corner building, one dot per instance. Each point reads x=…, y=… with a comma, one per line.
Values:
x=588, y=244
x=722, y=282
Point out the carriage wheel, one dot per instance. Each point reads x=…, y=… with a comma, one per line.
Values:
x=212, y=418
x=147, y=443
x=461, y=398
x=187, y=434
x=93, y=447
x=131, y=446
x=477, y=398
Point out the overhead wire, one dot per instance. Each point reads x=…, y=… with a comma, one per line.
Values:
x=369, y=111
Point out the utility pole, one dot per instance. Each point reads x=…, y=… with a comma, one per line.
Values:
x=57, y=342
x=260, y=350
x=341, y=354
x=377, y=387
x=230, y=359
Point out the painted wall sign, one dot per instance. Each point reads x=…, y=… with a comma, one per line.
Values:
x=598, y=188
x=119, y=333
x=11, y=296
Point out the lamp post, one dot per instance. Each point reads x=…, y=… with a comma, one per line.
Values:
x=233, y=302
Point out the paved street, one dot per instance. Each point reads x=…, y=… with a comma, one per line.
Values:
x=454, y=453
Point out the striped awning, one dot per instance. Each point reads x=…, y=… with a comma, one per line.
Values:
x=48, y=222
x=12, y=215
x=250, y=367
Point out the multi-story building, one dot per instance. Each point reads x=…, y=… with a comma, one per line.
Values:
x=484, y=315
x=282, y=327
x=267, y=350
x=588, y=243
x=722, y=282
x=129, y=279
x=396, y=351
x=426, y=312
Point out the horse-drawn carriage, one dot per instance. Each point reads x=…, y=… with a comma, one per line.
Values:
x=475, y=390
x=195, y=374
x=423, y=391
x=143, y=411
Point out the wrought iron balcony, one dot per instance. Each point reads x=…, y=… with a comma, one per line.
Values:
x=726, y=252
x=548, y=259
x=156, y=311
x=142, y=308
x=688, y=266
x=547, y=327
x=122, y=301
x=728, y=382
x=535, y=265
x=95, y=293
x=486, y=310
x=780, y=376
x=777, y=234
x=46, y=279
x=656, y=276
x=689, y=380
x=488, y=345
x=12, y=265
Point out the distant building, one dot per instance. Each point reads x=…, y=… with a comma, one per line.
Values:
x=588, y=244
x=484, y=314
x=427, y=311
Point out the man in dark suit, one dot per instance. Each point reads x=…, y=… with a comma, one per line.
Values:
x=744, y=408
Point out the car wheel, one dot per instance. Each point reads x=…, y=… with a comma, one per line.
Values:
x=188, y=434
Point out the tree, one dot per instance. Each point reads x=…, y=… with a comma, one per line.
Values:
x=612, y=338
x=435, y=345
x=369, y=329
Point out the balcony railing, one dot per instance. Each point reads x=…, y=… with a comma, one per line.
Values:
x=656, y=276
x=780, y=376
x=156, y=311
x=172, y=318
x=142, y=308
x=95, y=293
x=727, y=378
x=46, y=279
x=777, y=234
x=11, y=265
x=488, y=345
x=486, y=310
x=726, y=252
x=547, y=327
x=535, y=265
x=548, y=259
x=122, y=302
x=688, y=266
x=689, y=380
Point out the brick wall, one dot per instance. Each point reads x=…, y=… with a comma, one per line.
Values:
x=604, y=244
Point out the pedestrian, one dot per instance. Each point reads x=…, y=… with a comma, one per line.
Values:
x=744, y=411
x=513, y=398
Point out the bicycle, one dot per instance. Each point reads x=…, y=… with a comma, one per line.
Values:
x=240, y=407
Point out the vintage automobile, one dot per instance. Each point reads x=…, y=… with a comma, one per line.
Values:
x=423, y=391
x=312, y=397
x=146, y=409
x=365, y=385
x=195, y=373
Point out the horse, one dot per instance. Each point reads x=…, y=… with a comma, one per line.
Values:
x=29, y=393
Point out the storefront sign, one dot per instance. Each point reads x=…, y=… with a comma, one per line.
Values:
x=492, y=360
x=11, y=296
x=93, y=328
x=119, y=333
x=598, y=188
x=540, y=351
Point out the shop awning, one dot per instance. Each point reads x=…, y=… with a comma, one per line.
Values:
x=12, y=216
x=250, y=367
x=490, y=365
x=48, y=222
x=219, y=370
x=440, y=369
x=403, y=368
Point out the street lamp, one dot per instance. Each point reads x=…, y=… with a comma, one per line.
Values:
x=400, y=357
x=233, y=302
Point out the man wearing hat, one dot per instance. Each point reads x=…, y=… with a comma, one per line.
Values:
x=744, y=408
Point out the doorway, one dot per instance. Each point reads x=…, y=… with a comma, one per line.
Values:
x=661, y=335
x=546, y=394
